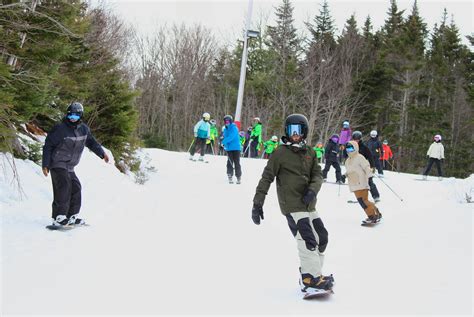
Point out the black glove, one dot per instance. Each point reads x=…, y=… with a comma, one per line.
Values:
x=308, y=197
x=257, y=213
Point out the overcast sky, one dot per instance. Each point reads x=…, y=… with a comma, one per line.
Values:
x=227, y=17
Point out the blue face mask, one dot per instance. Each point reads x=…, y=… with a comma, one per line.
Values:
x=73, y=117
x=294, y=129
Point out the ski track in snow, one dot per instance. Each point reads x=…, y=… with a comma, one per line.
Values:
x=184, y=243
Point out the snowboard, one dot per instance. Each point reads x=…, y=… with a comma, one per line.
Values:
x=369, y=224
x=65, y=228
x=317, y=294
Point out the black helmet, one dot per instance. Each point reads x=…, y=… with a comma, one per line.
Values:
x=75, y=107
x=228, y=117
x=296, y=119
x=357, y=135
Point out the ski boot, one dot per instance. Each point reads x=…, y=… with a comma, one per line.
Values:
x=238, y=180
x=75, y=221
x=377, y=199
x=231, y=181
x=372, y=219
x=321, y=283
x=60, y=221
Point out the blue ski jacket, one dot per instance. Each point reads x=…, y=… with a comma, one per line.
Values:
x=231, y=140
x=202, y=130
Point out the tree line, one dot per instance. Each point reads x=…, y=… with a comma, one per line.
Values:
x=403, y=80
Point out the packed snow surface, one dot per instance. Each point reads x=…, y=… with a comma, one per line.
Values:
x=184, y=243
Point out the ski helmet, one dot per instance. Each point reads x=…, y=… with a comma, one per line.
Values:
x=385, y=142
x=229, y=118
x=373, y=133
x=206, y=116
x=75, y=107
x=335, y=138
x=357, y=135
x=296, y=124
x=242, y=133
x=213, y=121
x=75, y=111
x=437, y=137
x=274, y=138
x=256, y=119
x=345, y=124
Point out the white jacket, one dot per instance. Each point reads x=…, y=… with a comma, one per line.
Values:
x=436, y=151
x=358, y=170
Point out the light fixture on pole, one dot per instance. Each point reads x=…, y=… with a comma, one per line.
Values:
x=243, y=65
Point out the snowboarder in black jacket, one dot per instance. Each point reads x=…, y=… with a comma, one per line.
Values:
x=364, y=150
x=376, y=148
x=331, y=153
x=62, y=151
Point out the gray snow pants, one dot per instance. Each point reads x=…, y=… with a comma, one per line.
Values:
x=311, y=239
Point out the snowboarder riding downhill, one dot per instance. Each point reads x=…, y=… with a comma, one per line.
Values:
x=62, y=151
x=358, y=173
x=295, y=165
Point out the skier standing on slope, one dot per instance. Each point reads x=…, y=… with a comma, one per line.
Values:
x=387, y=155
x=344, y=137
x=364, y=150
x=255, y=137
x=435, y=155
x=319, y=149
x=202, y=132
x=358, y=172
x=231, y=144
x=376, y=148
x=270, y=146
x=62, y=151
x=299, y=179
x=331, y=154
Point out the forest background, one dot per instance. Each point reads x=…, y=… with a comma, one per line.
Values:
x=403, y=80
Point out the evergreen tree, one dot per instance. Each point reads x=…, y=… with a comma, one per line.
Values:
x=323, y=29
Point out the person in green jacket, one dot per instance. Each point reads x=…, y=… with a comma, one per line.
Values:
x=270, y=146
x=255, y=137
x=299, y=179
x=319, y=149
x=211, y=142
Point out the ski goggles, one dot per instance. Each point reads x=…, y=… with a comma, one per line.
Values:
x=350, y=149
x=73, y=116
x=227, y=121
x=294, y=129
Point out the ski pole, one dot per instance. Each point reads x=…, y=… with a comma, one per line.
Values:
x=389, y=188
x=393, y=167
x=191, y=144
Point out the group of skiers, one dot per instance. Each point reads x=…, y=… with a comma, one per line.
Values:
x=292, y=162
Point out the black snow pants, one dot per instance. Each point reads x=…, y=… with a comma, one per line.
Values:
x=336, y=166
x=201, y=144
x=66, y=191
x=430, y=164
x=373, y=189
x=233, y=162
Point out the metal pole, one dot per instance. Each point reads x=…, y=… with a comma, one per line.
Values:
x=243, y=67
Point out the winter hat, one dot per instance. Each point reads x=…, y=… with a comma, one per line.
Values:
x=274, y=138
x=373, y=133
x=437, y=138
x=385, y=142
